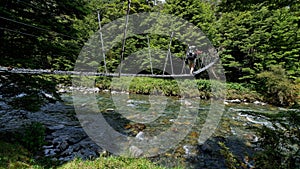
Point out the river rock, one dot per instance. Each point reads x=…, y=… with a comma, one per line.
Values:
x=57, y=127
x=206, y=148
x=233, y=101
x=65, y=137
x=135, y=151
x=62, y=91
x=259, y=103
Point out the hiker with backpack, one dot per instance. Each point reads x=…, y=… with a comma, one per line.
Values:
x=191, y=57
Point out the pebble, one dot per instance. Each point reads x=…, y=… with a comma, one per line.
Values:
x=140, y=135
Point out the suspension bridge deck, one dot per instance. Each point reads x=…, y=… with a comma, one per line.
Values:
x=60, y=72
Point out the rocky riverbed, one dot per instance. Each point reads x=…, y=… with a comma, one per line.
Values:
x=66, y=139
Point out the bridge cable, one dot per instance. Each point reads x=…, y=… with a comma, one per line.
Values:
x=101, y=39
x=36, y=27
x=206, y=67
x=149, y=52
x=169, y=55
x=183, y=60
x=124, y=37
x=28, y=34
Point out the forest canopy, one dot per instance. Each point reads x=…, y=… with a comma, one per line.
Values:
x=252, y=37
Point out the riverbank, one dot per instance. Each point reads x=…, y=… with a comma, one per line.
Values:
x=30, y=103
x=15, y=156
x=191, y=88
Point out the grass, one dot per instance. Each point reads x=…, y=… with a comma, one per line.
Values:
x=188, y=88
x=112, y=162
x=14, y=156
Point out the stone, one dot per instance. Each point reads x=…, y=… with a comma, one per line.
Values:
x=140, y=135
x=259, y=103
x=110, y=110
x=233, y=101
x=206, y=148
x=135, y=151
x=62, y=91
x=21, y=95
x=57, y=127
x=64, y=137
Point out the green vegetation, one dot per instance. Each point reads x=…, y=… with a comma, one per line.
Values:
x=278, y=88
x=14, y=156
x=33, y=137
x=257, y=41
x=252, y=36
x=170, y=87
x=113, y=162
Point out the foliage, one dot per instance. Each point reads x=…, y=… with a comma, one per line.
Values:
x=33, y=137
x=15, y=156
x=231, y=161
x=256, y=37
x=199, y=13
x=251, y=36
x=181, y=88
x=112, y=162
x=39, y=34
x=277, y=88
x=280, y=142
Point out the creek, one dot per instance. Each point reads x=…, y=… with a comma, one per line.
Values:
x=143, y=118
x=165, y=129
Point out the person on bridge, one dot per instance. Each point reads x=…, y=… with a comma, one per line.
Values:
x=191, y=57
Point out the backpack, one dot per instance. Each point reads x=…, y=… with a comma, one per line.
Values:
x=191, y=56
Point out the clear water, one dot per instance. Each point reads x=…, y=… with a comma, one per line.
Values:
x=139, y=117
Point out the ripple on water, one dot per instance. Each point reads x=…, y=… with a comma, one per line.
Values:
x=232, y=128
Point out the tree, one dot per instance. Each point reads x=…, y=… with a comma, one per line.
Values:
x=257, y=36
x=40, y=34
x=277, y=88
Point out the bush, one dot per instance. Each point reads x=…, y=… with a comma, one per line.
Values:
x=277, y=88
x=33, y=137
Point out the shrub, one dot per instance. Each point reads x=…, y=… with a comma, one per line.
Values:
x=277, y=88
x=33, y=137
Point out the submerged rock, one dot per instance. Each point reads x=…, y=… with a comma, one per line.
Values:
x=135, y=151
x=65, y=139
x=259, y=103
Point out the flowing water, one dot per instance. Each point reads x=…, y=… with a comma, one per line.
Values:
x=139, y=117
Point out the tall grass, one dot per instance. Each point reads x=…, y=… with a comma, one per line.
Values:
x=182, y=88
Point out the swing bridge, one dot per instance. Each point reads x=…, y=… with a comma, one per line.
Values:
x=80, y=73
x=206, y=62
